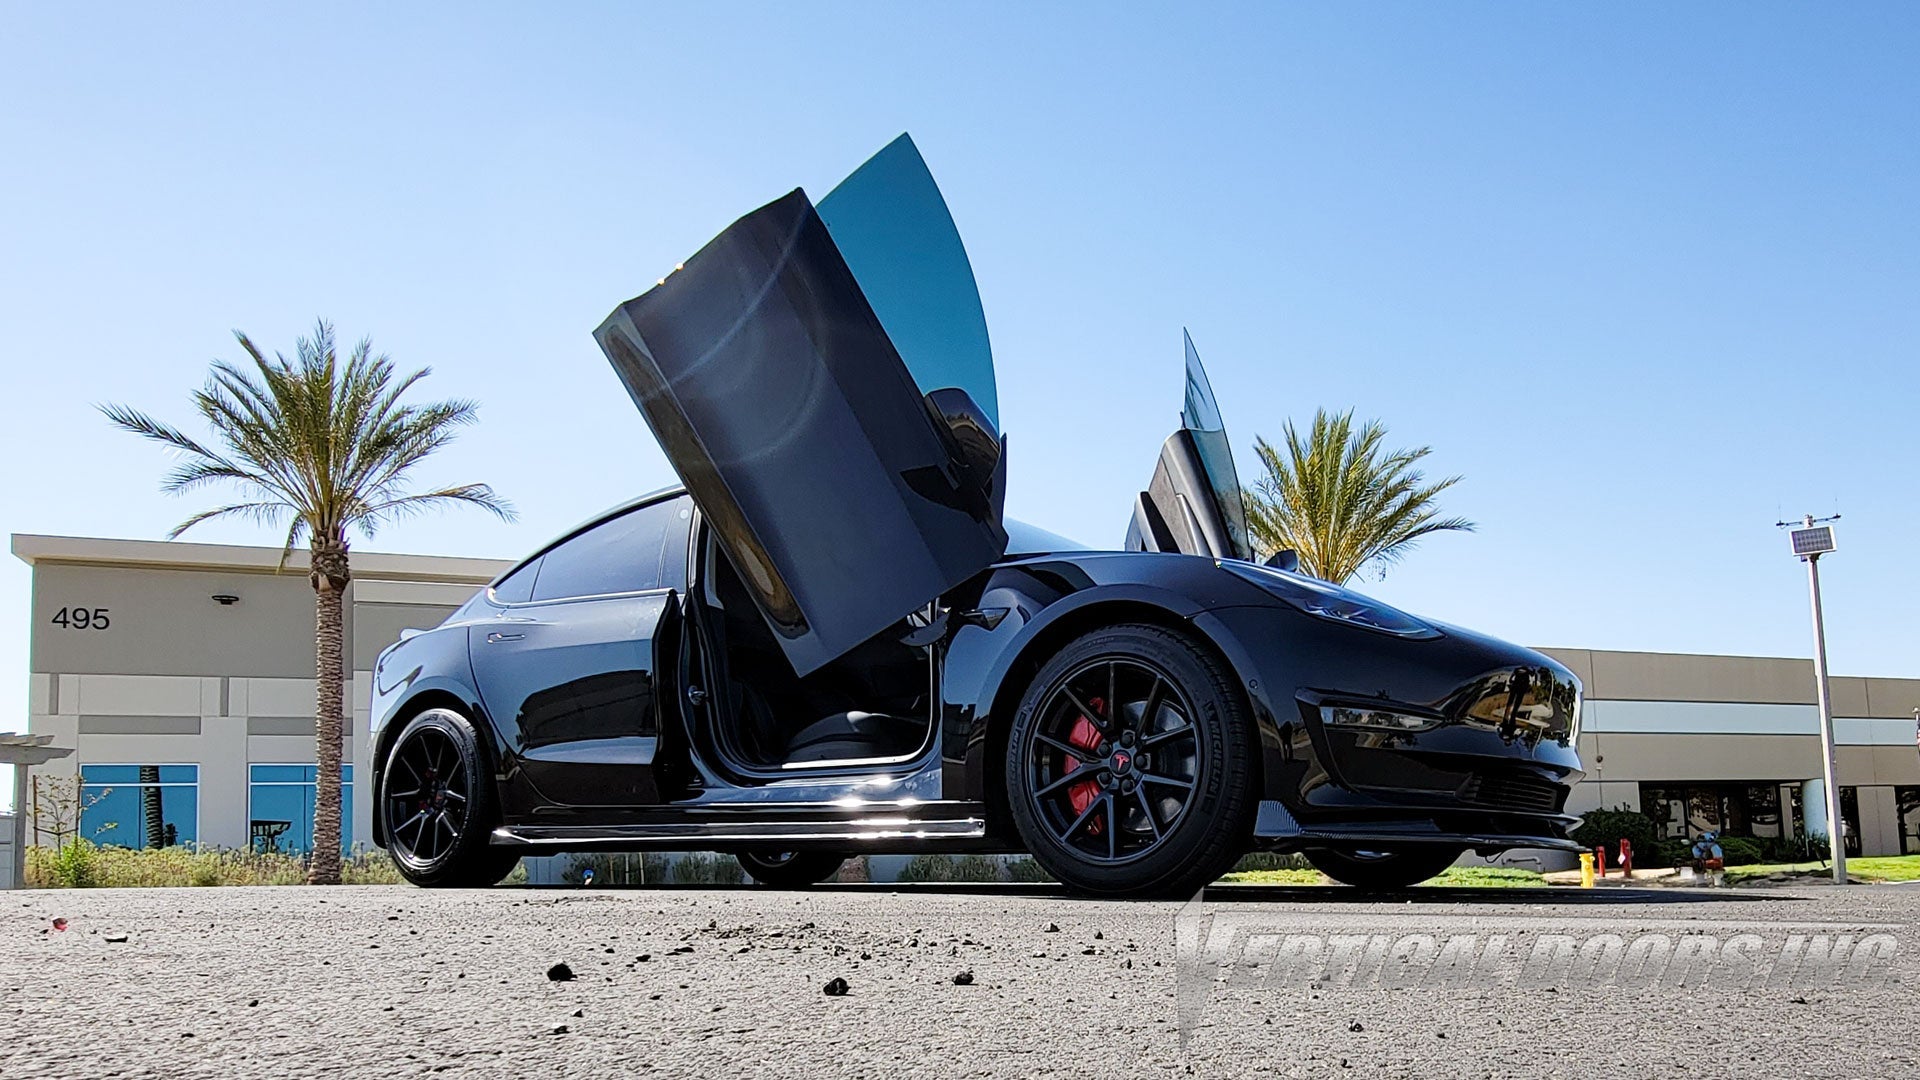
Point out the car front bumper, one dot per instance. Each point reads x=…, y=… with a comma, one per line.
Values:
x=1487, y=761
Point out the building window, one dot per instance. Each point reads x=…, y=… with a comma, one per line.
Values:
x=140, y=806
x=1908, y=800
x=280, y=808
x=1683, y=811
x=1850, y=813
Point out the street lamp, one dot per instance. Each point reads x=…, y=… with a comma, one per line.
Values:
x=1812, y=538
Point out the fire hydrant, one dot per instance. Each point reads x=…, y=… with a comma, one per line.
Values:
x=1586, y=869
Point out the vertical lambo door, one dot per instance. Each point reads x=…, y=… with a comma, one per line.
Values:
x=820, y=379
x=1193, y=505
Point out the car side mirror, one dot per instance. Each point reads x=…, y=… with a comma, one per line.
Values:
x=1285, y=559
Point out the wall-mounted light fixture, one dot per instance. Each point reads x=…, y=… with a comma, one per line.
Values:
x=225, y=599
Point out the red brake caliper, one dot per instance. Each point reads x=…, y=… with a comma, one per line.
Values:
x=1086, y=737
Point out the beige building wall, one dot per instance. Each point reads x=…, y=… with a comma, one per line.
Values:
x=177, y=677
x=1669, y=717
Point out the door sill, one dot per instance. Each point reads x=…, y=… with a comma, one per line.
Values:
x=923, y=821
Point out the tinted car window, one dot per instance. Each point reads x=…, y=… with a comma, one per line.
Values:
x=673, y=557
x=1025, y=539
x=517, y=587
x=617, y=556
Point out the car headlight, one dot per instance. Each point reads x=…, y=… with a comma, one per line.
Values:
x=1331, y=602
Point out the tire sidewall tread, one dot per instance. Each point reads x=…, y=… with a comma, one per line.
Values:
x=473, y=861
x=1215, y=827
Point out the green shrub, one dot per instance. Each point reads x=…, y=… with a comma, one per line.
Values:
x=1675, y=852
x=69, y=866
x=1740, y=851
x=940, y=868
x=617, y=868
x=1606, y=828
x=1026, y=869
x=80, y=864
x=707, y=868
x=1271, y=860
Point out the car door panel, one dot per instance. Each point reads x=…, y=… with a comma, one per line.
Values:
x=845, y=499
x=575, y=684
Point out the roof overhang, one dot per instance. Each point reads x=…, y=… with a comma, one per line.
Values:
x=34, y=549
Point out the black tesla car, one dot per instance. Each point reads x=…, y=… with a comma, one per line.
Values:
x=830, y=641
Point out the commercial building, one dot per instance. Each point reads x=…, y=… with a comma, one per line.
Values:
x=181, y=677
x=1727, y=743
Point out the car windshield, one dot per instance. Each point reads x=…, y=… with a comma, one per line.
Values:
x=1025, y=539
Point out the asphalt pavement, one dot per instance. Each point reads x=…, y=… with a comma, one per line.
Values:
x=954, y=981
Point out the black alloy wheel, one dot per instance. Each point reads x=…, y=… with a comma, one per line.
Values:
x=437, y=802
x=1130, y=764
x=790, y=869
x=1383, y=871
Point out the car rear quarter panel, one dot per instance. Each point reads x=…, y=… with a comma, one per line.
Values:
x=430, y=666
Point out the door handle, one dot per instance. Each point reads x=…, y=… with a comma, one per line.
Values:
x=497, y=637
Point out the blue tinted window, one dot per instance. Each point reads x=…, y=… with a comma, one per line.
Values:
x=517, y=587
x=621, y=555
x=1025, y=539
x=140, y=806
x=1201, y=416
x=892, y=227
x=280, y=808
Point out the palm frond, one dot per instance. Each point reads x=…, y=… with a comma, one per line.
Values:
x=1343, y=501
x=327, y=441
x=263, y=513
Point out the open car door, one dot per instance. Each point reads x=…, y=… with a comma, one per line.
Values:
x=831, y=410
x=1194, y=504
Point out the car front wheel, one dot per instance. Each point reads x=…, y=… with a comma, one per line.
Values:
x=1383, y=871
x=1130, y=765
x=437, y=801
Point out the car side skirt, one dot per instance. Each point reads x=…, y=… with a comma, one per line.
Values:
x=946, y=825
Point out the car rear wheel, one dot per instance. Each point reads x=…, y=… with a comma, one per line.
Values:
x=790, y=869
x=437, y=801
x=1130, y=765
x=1383, y=871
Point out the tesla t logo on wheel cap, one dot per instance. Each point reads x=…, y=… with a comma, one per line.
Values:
x=1121, y=760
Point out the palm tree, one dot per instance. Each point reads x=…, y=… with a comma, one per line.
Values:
x=1341, y=501
x=330, y=447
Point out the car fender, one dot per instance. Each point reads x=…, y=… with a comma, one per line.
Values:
x=987, y=668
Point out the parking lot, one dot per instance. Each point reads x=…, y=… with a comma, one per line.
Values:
x=398, y=981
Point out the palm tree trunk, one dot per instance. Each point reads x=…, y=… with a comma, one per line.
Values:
x=330, y=576
x=150, y=806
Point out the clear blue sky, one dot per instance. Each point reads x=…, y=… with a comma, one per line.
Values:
x=1649, y=278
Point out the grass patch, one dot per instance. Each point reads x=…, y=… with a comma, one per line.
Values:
x=1471, y=877
x=1870, y=868
x=1274, y=877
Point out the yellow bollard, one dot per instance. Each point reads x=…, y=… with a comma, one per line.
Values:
x=1586, y=869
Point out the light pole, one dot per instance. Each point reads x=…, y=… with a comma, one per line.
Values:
x=1812, y=539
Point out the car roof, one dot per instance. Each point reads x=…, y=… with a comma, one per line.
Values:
x=1022, y=539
